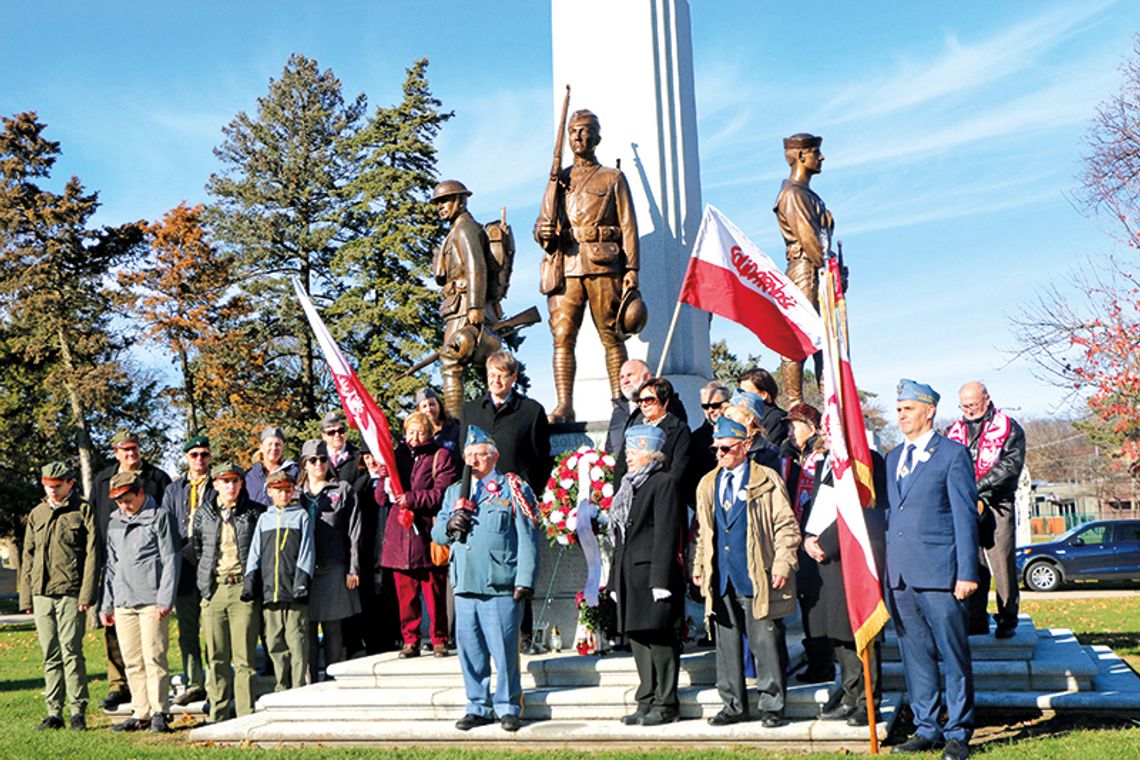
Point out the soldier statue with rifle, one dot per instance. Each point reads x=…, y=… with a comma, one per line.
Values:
x=588, y=230
x=473, y=267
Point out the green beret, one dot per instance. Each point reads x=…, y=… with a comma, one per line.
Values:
x=226, y=468
x=123, y=436
x=197, y=442
x=57, y=471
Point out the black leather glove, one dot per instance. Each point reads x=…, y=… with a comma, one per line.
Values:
x=459, y=523
x=246, y=597
x=523, y=592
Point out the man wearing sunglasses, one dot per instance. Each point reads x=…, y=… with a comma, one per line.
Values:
x=702, y=460
x=183, y=498
x=128, y=458
x=342, y=454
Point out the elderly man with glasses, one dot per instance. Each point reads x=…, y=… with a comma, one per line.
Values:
x=745, y=566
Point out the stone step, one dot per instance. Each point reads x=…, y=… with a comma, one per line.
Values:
x=267, y=728
x=1060, y=664
x=1115, y=689
x=982, y=646
x=542, y=703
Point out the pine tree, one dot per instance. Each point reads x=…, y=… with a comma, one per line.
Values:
x=279, y=205
x=388, y=316
x=56, y=309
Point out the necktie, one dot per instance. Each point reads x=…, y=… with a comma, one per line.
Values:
x=729, y=492
x=195, y=485
x=908, y=464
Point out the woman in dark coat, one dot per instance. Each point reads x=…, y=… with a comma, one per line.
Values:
x=653, y=399
x=647, y=574
x=335, y=516
x=830, y=616
x=444, y=427
x=426, y=470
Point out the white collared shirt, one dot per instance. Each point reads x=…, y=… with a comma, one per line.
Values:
x=920, y=445
x=737, y=474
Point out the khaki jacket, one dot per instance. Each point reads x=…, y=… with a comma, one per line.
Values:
x=60, y=555
x=599, y=234
x=773, y=537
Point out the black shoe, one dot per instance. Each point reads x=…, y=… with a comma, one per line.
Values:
x=839, y=712
x=131, y=724
x=769, y=719
x=1003, y=632
x=978, y=629
x=511, y=723
x=816, y=676
x=657, y=717
x=191, y=695
x=159, y=724
x=78, y=723
x=858, y=718
x=723, y=718
x=206, y=708
x=50, y=723
x=955, y=750
x=915, y=743
x=115, y=699
x=633, y=719
x=471, y=720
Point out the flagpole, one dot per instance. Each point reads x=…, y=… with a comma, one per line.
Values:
x=668, y=338
x=869, y=695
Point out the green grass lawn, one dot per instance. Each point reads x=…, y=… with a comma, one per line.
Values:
x=21, y=704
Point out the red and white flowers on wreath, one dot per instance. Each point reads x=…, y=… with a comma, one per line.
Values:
x=559, y=505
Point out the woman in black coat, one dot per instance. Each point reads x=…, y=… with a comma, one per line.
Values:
x=647, y=574
x=653, y=398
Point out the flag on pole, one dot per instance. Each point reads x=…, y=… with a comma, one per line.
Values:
x=854, y=429
x=729, y=276
x=865, y=607
x=359, y=408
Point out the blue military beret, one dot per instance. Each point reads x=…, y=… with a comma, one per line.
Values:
x=644, y=437
x=726, y=428
x=750, y=402
x=912, y=390
x=477, y=435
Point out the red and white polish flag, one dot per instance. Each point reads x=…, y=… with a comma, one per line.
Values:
x=359, y=407
x=732, y=278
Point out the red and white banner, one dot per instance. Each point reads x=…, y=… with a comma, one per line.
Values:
x=729, y=276
x=359, y=408
x=843, y=502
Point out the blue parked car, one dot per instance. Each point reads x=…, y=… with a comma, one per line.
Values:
x=1096, y=551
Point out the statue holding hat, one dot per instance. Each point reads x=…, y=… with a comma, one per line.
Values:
x=594, y=237
x=474, y=278
x=806, y=226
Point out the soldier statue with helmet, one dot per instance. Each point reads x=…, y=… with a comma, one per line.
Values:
x=473, y=267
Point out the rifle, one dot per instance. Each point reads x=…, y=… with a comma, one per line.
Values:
x=502, y=327
x=548, y=213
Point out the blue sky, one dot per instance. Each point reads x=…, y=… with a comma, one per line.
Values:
x=952, y=135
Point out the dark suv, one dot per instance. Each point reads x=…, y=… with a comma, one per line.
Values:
x=1096, y=551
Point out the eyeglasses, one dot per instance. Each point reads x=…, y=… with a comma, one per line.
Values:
x=723, y=449
x=713, y=405
x=318, y=460
x=336, y=431
x=648, y=400
x=198, y=454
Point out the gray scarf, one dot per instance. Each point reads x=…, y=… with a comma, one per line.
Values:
x=623, y=499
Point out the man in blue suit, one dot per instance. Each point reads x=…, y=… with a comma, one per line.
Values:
x=494, y=560
x=932, y=567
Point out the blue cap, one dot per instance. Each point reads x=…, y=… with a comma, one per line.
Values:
x=726, y=428
x=911, y=390
x=477, y=435
x=750, y=402
x=644, y=437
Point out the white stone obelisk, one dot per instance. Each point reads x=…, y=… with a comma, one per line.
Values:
x=631, y=63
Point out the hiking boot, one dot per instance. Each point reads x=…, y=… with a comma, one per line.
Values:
x=50, y=723
x=78, y=722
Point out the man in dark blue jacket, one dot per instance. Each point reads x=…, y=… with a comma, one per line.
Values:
x=932, y=567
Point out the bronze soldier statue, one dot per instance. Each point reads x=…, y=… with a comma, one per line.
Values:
x=590, y=236
x=469, y=306
x=806, y=225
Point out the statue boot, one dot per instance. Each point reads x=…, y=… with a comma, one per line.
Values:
x=452, y=389
x=565, y=367
x=792, y=380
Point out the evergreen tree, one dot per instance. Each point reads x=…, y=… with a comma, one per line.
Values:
x=280, y=206
x=67, y=382
x=388, y=315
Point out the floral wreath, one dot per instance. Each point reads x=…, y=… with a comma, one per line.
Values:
x=559, y=505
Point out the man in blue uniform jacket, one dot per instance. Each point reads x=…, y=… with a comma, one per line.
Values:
x=932, y=566
x=494, y=560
